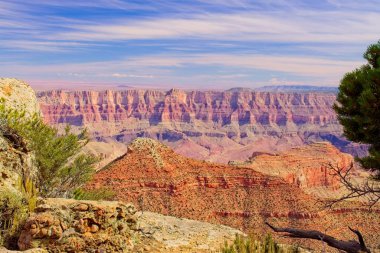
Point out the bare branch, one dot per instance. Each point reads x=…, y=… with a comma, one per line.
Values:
x=347, y=246
x=360, y=237
x=369, y=189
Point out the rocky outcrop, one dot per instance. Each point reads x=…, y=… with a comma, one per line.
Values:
x=156, y=179
x=305, y=166
x=66, y=225
x=15, y=161
x=18, y=171
x=308, y=167
x=183, y=235
x=18, y=95
x=213, y=125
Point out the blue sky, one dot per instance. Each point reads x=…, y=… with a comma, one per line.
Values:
x=185, y=44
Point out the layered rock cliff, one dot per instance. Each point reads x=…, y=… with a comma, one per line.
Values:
x=222, y=108
x=214, y=125
x=155, y=178
x=306, y=166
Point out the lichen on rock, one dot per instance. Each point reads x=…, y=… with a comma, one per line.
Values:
x=18, y=95
x=66, y=225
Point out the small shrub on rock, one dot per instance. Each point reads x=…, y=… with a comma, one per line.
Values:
x=14, y=211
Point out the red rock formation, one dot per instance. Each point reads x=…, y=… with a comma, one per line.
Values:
x=155, y=178
x=305, y=166
x=170, y=183
x=213, y=125
x=222, y=108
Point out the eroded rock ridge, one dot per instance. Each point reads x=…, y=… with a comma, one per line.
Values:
x=213, y=125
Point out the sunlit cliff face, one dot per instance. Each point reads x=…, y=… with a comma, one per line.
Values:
x=214, y=125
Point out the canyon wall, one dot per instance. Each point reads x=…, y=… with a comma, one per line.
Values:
x=220, y=108
x=214, y=125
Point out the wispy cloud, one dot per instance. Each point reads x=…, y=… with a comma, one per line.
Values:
x=122, y=75
x=308, y=26
x=167, y=41
x=324, y=70
x=294, y=25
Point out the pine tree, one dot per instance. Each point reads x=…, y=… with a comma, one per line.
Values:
x=358, y=107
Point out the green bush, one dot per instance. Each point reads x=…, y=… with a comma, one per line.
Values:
x=61, y=166
x=249, y=245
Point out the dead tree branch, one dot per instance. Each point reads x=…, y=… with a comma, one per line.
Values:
x=347, y=246
x=369, y=189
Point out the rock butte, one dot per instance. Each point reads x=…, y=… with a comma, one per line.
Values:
x=306, y=167
x=155, y=178
x=213, y=125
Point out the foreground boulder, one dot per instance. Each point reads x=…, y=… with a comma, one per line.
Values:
x=66, y=225
x=18, y=95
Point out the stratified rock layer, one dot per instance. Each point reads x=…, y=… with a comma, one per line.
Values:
x=305, y=166
x=171, y=184
x=213, y=125
x=155, y=178
x=308, y=167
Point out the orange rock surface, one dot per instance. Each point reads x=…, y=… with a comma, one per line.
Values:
x=306, y=166
x=155, y=178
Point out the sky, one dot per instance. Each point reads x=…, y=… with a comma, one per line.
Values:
x=185, y=43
